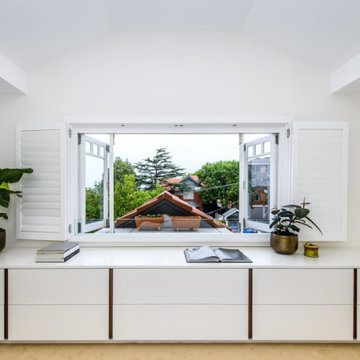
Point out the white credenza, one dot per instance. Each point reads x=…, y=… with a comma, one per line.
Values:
x=181, y=304
x=58, y=304
x=178, y=304
x=302, y=304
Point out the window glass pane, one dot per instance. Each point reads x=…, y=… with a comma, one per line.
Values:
x=101, y=153
x=258, y=149
x=251, y=151
x=94, y=189
x=88, y=147
x=267, y=147
x=259, y=189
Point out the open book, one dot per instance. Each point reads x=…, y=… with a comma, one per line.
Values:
x=206, y=254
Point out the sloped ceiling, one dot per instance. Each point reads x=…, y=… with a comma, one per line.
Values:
x=323, y=32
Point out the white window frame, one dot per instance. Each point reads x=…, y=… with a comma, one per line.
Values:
x=186, y=125
x=252, y=224
x=82, y=182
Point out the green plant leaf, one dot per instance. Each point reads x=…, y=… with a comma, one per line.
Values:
x=286, y=213
x=13, y=175
x=275, y=212
x=4, y=198
x=292, y=206
x=4, y=216
x=276, y=220
x=303, y=223
x=301, y=212
x=306, y=217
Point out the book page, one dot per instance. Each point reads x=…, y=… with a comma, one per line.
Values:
x=204, y=252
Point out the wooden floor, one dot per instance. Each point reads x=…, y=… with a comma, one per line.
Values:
x=181, y=352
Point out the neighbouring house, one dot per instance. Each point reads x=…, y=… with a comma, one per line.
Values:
x=231, y=218
x=188, y=189
x=168, y=205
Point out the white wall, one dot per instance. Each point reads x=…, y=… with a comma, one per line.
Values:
x=157, y=73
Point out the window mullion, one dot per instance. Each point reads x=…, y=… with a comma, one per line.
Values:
x=111, y=184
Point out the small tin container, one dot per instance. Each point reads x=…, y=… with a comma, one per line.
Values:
x=311, y=250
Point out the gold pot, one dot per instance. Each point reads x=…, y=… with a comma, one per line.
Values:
x=284, y=244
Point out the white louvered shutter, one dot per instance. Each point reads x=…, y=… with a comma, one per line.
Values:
x=320, y=170
x=41, y=213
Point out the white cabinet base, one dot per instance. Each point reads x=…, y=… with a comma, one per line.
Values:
x=180, y=322
x=58, y=322
x=302, y=322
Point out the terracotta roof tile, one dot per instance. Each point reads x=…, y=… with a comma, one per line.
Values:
x=176, y=201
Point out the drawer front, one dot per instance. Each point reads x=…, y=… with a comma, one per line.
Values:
x=2, y=284
x=53, y=286
x=303, y=286
x=58, y=322
x=181, y=286
x=180, y=322
x=302, y=322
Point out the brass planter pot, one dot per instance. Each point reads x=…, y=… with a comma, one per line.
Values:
x=284, y=244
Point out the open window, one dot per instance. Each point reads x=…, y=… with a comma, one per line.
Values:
x=310, y=159
x=93, y=184
x=260, y=169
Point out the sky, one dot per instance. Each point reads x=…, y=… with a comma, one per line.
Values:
x=189, y=151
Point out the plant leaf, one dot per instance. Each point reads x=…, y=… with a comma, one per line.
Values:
x=292, y=206
x=4, y=216
x=306, y=217
x=13, y=175
x=303, y=223
x=301, y=213
x=286, y=213
x=276, y=220
x=4, y=198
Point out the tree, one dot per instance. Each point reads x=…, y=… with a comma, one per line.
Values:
x=122, y=168
x=151, y=172
x=221, y=182
x=128, y=197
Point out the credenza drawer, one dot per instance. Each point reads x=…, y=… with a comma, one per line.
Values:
x=302, y=322
x=54, y=286
x=58, y=322
x=181, y=286
x=303, y=286
x=180, y=322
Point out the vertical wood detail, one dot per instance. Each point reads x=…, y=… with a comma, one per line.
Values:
x=6, y=304
x=111, y=291
x=355, y=305
x=250, y=314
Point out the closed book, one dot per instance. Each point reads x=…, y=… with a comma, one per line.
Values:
x=53, y=255
x=58, y=248
x=57, y=260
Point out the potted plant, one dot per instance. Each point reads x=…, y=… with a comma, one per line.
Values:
x=186, y=222
x=284, y=237
x=8, y=176
x=149, y=221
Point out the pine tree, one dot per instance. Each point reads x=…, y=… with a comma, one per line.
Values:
x=153, y=171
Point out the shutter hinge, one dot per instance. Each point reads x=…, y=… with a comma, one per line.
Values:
x=244, y=147
x=107, y=148
x=288, y=133
x=70, y=229
x=243, y=224
x=79, y=228
x=70, y=133
x=79, y=139
x=277, y=139
x=107, y=222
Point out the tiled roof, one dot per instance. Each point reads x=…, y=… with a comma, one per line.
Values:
x=176, y=201
x=178, y=180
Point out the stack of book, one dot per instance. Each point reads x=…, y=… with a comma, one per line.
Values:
x=57, y=252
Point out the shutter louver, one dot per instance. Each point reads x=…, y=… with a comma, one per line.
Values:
x=320, y=174
x=41, y=211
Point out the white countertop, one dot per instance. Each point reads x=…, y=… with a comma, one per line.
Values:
x=173, y=257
